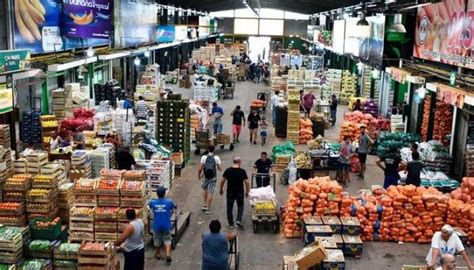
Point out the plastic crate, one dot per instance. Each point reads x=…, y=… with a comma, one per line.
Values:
x=51, y=233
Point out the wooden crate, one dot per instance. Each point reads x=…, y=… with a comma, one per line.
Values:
x=112, y=201
x=81, y=226
x=79, y=238
x=105, y=237
x=18, y=211
x=12, y=245
x=14, y=221
x=101, y=226
x=41, y=208
x=11, y=257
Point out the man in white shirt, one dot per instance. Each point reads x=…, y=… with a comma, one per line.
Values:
x=210, y=163
x=275, y=103
x=446, y=242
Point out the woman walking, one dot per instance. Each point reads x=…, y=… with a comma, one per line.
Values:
x=253, y=121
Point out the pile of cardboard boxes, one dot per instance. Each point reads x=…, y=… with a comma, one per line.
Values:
x=327, y=240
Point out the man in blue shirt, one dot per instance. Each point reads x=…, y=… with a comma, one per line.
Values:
x=162, y=210
x=217, y=113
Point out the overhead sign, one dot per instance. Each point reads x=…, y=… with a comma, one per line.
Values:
x=37, y=26
x=88, y=18
x=444, y=33
x=165, y=33
x=451, y=95
x=14, y=60
x=399, y=75
x=6, y=99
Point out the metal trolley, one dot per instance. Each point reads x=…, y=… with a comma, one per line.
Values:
x=234, y=254
x=267, y=218
x=204, y=140
x=229, y=89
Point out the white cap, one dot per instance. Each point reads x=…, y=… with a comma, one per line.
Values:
x=447, y=228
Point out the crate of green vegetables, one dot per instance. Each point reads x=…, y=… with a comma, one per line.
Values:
x=66, y=251
x=42, y=249
x=7, y=266
x=11, y=239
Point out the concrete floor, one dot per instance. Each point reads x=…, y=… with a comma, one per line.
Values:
x=265, y=250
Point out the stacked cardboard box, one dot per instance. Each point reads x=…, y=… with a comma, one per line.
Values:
x=293, y=116
x=81, y=166
x=62, y=101
x=65, y=201
x=6, y=164
x=5, y=139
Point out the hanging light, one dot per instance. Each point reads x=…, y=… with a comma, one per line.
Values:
x=397, y=26
x=421, y=92
x=362, y=21
x=137, y=61
x=90, y=52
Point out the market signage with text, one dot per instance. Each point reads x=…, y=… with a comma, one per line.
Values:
x=450, y=95
x=444, y=33
x=165, y=33
x=14, y=60
x=398, y=75
x=88, y=18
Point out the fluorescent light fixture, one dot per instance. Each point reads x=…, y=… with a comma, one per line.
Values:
x=137, y=61
x=90, y=52
x=114, y=55
x=416, y=6
x=362, y=21
x=397, y=26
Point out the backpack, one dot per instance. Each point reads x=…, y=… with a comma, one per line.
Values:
x=210, y=167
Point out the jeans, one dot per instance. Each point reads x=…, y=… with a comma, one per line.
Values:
x=333, y=116
x=274, y=114
x=134, y=259
x=390, y=180
x=262, y=181
x=231, y=197
x=217, y=127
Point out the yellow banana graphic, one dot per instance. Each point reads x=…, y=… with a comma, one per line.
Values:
x=84, y=19
x=29, y=14
x=37, y=4
x=36, y=15
x=25, y=33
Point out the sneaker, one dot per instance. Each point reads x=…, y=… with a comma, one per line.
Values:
x=204, y=208
x=168, y=260
x=230, y=226
x=239, y=225
x=237, y=140
x=207, y=211
x=255, y=142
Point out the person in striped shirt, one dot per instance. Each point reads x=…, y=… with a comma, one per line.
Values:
x=141, y=109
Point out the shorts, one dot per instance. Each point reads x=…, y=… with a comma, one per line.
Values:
x=209, y=185
x=362, y=157
x=236, y=129
x=263, y=133
x=160, y=238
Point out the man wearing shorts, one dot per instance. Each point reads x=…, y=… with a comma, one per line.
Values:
x=364, y=142
x=238, y=119
x=210, y=163
x=162, y=209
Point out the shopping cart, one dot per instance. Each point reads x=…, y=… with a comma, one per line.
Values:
x=265, y=213
x=229, y=88
x=234, y=254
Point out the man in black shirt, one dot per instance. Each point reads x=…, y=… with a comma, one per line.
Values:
x=238, y=119
x=237, y=186
x=392, y=162
x=263, y=166
x=414, y=168
x=124, y=159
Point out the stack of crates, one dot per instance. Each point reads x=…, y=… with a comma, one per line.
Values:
x=173, y=125
x=339, y=236
x=30, y=127
x=293, y=127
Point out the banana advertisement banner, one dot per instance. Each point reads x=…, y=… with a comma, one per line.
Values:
x=87, y=18
x=6, y=99
x=37, y=25
x=444, y=33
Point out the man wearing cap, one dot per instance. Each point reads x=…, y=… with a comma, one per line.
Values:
x=446, y=242
x=237, y=187
x=162, y=209
x=364, y=142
